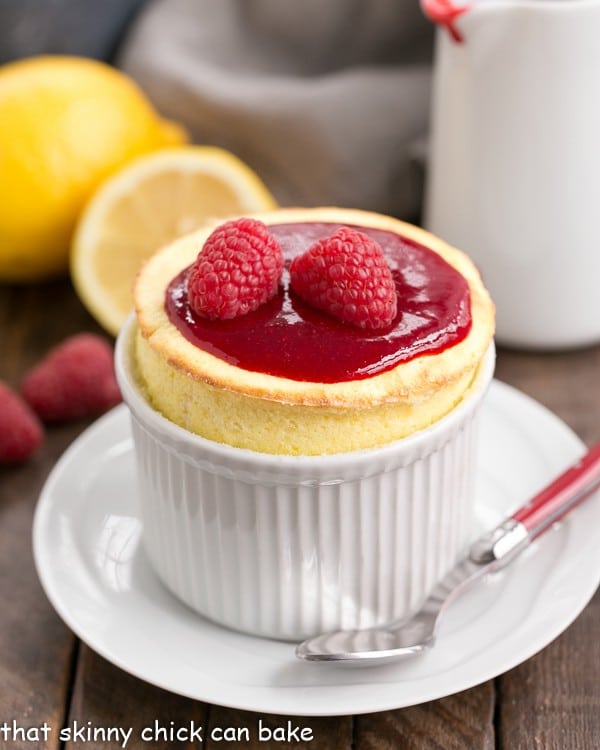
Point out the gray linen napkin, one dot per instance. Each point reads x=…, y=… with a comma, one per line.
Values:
x=327, y=100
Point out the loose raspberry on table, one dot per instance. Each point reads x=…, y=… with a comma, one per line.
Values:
x=347, y=276
x=237, y=270
x=20, y=430
x=74, y=380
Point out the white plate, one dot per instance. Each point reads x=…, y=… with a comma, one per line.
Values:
x=94, y=571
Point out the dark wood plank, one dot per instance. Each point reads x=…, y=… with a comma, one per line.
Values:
x=35, y=647
x=568, y=383
x=35, y=318
x=106, y=698
x=458, y=722
x=552, y=701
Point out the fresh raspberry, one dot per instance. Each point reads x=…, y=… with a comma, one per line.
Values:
x=74, y=380
x=347, y=276
x=20, y=429
x=237, y=270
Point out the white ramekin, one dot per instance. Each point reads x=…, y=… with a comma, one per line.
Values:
x=289, y=546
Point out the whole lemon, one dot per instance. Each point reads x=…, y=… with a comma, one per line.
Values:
x=66, y=123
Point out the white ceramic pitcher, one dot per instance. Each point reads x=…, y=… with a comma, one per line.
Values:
x=514, y=168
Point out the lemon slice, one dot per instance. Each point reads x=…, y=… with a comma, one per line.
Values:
x=148, y=203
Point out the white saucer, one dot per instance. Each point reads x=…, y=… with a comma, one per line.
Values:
x=94, y=571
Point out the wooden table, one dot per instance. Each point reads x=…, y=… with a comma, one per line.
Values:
x=551, y=702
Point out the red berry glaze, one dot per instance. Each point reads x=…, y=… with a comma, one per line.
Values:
x=347, y=276
x=289, y=338
x=237, y=270
x=75, y=380
x=20, y=429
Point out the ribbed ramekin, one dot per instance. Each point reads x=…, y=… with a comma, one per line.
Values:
x=289, y=546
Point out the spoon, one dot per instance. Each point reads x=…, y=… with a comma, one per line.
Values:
x=488, y=554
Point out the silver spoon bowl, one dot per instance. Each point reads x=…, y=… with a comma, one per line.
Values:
x=398, y=639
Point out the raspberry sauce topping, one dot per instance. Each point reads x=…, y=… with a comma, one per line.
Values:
x=288, y=338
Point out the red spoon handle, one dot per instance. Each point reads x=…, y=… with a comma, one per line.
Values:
x=561, y=495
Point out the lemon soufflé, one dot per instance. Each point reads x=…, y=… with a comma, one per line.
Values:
x=309, y=331
x=303, y=386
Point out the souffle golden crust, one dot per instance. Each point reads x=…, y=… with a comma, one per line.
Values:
x=222, y=402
